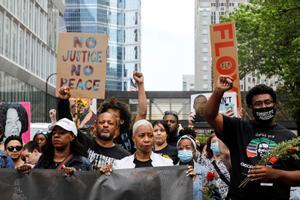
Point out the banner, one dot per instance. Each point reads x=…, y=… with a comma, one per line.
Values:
x=81, y=64
x=161, y=183
x=15, y=119
x=224, y=55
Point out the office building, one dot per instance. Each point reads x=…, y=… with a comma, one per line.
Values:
x=120, y=19
x=207, y=12
x=188, y=82
x=28, y=39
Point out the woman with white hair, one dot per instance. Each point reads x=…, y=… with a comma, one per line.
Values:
x=143, y=139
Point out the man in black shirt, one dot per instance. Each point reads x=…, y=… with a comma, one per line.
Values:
x=102, y=150
x=248, y=141
x=123, y=134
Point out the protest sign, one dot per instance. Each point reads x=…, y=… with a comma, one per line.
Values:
x=228, y=102
x=151, y=183
x=224, y=55
x=81, y=64
x=84, y=112
x=15, y=119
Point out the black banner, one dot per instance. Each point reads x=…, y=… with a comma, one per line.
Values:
x=165, y=183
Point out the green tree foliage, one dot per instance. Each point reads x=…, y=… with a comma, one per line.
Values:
x=268, y=36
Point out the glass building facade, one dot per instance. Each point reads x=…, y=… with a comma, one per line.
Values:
x=28, y=40
x=120, y=19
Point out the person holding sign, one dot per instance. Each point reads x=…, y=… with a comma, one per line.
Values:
x=248, y=141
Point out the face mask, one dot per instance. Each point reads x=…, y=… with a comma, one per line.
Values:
x=185, y=156
x=264, y=115
x=215, y=148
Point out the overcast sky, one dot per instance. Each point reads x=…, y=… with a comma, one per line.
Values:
x=167, y=43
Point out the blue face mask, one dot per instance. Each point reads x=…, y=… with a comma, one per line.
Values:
x=185, y=156
x=215, y=148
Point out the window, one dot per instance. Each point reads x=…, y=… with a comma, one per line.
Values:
x=7, y=37
x=204, y=50
x=21, y=49
x=1, y=33
x=204, y=40
x=14, y=32
x=204, y=31
x=30, y=17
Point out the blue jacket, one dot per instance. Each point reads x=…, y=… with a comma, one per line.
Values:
x=6, y=161
x=201, y=173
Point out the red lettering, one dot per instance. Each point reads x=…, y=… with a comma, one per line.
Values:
x=222, y=29
x=230, y=65
x=220, y=45
x=84, y=53
x=63, y=81
x=236, y=90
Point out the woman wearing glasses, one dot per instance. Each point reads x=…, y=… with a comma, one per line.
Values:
x=13, y=147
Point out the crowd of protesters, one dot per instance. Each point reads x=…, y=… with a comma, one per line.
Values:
x=117, y=142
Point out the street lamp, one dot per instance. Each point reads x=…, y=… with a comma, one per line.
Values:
x=46, y=96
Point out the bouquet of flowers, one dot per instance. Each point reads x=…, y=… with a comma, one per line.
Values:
x=284, y=150
x=210, y=189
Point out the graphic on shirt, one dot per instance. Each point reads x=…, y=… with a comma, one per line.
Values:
x=259, y=147
x=166, y=156
x=99, y=160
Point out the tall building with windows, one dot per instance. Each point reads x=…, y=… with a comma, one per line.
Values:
x=28, y=39
x=120, y=19
x=207, y=12
x=188, y=82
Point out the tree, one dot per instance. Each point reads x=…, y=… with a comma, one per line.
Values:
x=268, y=37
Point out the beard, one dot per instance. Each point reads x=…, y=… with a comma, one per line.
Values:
x=105, y=136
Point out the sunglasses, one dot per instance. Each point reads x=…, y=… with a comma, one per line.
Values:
x=17, y=148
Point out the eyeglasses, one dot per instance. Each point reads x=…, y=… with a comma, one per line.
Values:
x=267, y=103
x=17, y=148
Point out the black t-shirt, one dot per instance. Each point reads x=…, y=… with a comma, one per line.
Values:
x=247, y=142
x=172, y=140
x=100, y=156
x=139, y=164
x=124, y=139
x=169, y=152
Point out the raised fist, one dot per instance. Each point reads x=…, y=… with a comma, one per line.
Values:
x=224, y=83
x=64, y=93
x=138, y=77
